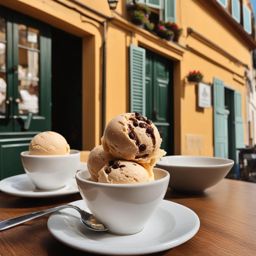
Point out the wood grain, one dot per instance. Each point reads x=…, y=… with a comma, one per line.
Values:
x=227, y=213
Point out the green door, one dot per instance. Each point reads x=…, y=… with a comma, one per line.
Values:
x=159, y=97
x=25, y=86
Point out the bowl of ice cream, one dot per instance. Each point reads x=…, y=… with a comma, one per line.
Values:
x=194, y=173
x=122, y=187
x=124, y=208
x=49, y=162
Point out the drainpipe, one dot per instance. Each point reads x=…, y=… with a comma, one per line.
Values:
x=104, y=77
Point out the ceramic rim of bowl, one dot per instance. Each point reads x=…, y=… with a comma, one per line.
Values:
x=131, y=185
x=163, y=164
x=72, y=153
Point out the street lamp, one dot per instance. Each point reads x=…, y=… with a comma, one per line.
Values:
x=112, y=4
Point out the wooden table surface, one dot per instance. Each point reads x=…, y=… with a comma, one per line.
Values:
x=227, y=213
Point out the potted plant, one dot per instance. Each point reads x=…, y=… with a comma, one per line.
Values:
x=195, y=76
x=134, y=6
x=138, y=18
x=138, y=14
x=164, y=32
x=149, y=25
x=176, y=30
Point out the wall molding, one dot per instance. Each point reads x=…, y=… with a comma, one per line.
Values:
x=199, y=53
x=191, y=32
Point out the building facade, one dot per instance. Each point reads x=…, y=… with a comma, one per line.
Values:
x=88, y=64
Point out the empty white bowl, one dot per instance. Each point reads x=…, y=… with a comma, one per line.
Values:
x=195, y=173
x=49, y=172
x=123, y=208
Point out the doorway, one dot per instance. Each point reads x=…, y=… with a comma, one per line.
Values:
x=229, y=100
x=67, y=86
x=229, y=105
x=228, y=123
x=25, y=85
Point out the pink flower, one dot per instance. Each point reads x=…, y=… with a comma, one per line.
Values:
x=161, y=27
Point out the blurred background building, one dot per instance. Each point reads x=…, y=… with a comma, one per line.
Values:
x=71, y=65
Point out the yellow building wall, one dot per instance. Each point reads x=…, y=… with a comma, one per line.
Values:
x=117, y=72
x=193, y=126
x=197, y=124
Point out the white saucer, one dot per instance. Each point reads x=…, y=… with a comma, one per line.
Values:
x=20, y=185
x=171, y=225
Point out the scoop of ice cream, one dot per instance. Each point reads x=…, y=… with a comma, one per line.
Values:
x=131, y=136
x=96, y=160
x=123, y=172
x=49, y=143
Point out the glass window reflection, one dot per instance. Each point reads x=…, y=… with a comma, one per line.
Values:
x=3, y=84
x=28, y=70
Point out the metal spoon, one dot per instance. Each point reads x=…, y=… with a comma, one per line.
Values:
x=86, y=218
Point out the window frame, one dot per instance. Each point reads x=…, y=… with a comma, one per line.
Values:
x=161, y=7
x=238, y=19
x=223, y=4
x=247, y=9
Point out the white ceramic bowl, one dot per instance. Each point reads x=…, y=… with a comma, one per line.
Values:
x=51, y=172
x=195, y=173
x=123, y=208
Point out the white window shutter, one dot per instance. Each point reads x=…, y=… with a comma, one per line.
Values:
x=247, y=17
x=236, y=10
x=170, y=10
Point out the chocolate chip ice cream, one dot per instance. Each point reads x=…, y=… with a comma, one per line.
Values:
x=96, y=160
x=130, y=138
x=123, y=172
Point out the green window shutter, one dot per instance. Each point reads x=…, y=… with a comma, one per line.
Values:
x=137, y=79
x=220, y=120
x=170, y=10
x=154, y=3
x=247, y=18
x=239, y=121
x=223, y=2
x=236, y=12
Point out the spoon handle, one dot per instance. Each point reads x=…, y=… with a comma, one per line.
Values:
x=9, y=223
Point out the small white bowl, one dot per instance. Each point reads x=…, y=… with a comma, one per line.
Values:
x=194, y=173
x=49, y=172
x=123, y=208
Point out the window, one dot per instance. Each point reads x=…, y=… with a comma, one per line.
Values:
x=235, y=9
x=170, y=10
x=154, y=3
x=247, y=17
x=161, y=9
x=223, y=2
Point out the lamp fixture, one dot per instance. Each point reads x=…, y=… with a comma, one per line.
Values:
x=112, y=4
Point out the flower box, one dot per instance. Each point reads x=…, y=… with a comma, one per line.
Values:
x=195, y=76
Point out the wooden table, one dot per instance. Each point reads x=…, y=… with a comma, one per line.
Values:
x=227, y=213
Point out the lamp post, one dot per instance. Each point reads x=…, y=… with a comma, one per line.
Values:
x=112, y=4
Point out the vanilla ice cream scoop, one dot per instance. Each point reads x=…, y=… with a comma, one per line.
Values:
x=49, y=143
x=96, y=160
x=131, y=136
x=123, y=172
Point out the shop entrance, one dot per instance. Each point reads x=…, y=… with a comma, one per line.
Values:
x=67, y=86
x=40, y=86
